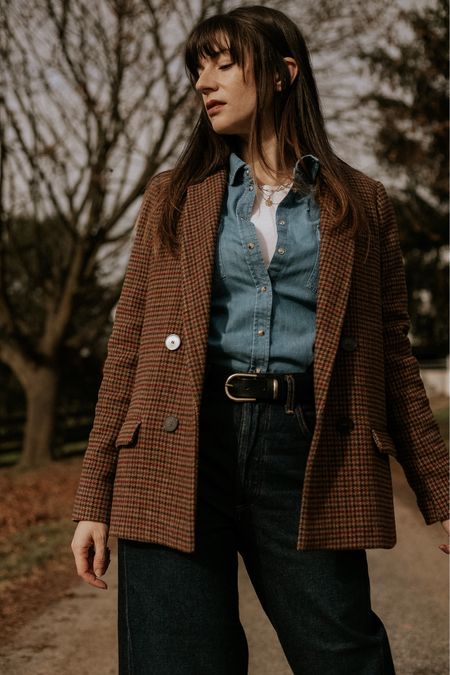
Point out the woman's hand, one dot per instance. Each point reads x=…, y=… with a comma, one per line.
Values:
x=91, y=552
x=446, y=525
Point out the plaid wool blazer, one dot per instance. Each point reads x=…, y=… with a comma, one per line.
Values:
x=140, y=468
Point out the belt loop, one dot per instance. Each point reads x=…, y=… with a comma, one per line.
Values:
x=290, y=384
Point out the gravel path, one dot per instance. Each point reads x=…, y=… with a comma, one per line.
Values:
x=77, y=635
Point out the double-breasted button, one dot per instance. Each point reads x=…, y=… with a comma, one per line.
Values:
x=170, y=423
x=345, y=425
x=173, y=341
x=349, y=343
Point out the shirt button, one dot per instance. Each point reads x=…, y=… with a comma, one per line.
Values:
x=263, y=289
x=250, y=188
x=173, y=341
x=261, y=332
x=281, y=222
x=281, y=250
x=250, y=245
x=257, y=370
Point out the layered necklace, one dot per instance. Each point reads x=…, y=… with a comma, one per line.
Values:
x=268, y=192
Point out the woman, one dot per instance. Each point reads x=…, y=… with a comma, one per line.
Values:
x=254, y=388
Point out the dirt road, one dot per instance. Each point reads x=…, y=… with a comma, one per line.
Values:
x=77, y=635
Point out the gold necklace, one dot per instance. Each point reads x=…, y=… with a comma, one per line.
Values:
x=268, y=193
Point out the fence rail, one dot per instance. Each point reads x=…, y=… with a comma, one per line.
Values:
x=71, y=434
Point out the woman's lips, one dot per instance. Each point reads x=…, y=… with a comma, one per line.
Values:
x=215, y=109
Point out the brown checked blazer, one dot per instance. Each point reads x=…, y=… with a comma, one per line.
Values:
x=140, y=468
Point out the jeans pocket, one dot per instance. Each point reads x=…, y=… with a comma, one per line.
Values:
x=306, y=418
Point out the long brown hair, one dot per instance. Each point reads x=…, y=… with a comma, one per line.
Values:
x=267, y=35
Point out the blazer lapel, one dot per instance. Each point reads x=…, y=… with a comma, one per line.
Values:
x=336, y=258
x=199, y=223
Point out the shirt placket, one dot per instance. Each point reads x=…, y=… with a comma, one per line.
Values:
x=279, y=256
x=262, y=306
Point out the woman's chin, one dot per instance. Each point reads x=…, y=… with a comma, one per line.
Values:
x=227, y=129
x=222, y=128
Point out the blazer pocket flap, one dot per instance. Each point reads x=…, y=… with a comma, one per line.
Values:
x=129, y=432
x=383, y=441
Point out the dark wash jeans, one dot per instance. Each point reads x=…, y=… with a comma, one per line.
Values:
x=178, y=613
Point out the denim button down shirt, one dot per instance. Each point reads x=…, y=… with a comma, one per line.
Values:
x=263, y=319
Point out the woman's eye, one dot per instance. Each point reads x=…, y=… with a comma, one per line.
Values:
x=225, y=66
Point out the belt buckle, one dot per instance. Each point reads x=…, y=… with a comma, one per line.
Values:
x=251, y=375
x=229, y=381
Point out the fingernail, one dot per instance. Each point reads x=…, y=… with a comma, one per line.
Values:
x=98, y=573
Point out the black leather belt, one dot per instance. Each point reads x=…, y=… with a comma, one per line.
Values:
x=285, y=388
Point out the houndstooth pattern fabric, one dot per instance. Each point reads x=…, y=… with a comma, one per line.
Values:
x=140, y=467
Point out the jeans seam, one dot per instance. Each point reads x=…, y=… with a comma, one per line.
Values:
x=259, y=457
x=130, y=659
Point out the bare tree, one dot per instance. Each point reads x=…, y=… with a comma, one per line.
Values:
x=95, y=101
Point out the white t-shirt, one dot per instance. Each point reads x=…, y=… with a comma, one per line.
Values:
x=263, y=217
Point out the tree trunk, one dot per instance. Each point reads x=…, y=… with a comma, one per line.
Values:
x=41, y=391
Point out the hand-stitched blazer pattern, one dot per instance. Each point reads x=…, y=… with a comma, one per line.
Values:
x=141, y=478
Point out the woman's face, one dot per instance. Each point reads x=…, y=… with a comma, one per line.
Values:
x=222, y=80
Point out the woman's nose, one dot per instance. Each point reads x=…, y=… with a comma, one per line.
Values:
x=205, y=83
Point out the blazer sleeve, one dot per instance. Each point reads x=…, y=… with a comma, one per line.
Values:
x=94, y=493
x=421, y=450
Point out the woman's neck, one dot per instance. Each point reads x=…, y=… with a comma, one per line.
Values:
x=260, y=173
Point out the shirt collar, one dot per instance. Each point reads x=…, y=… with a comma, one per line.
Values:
x=312, y=165
x=309, y=174
x=236, y=166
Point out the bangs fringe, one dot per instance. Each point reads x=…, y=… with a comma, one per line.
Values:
x=215, y=34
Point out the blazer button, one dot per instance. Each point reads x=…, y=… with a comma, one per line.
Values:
x=173, y=341
x=349, y=343
x=170, y=423
x=345, y=425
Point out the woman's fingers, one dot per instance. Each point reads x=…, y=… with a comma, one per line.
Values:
x=91, y=552
x=84, y=556
x=101, y=558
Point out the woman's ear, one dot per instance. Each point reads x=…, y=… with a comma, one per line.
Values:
x=293, y=70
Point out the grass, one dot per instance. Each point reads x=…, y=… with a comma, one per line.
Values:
x=33, y=547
